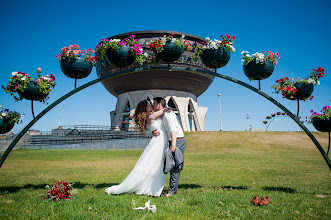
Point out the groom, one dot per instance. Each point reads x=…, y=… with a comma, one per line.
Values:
x=176, y=139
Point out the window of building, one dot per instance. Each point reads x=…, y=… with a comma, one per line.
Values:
x=191, y=116
x=127, y=107
x=171, y=104
x=126, y=114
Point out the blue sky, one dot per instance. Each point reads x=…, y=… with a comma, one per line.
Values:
x=34, y=31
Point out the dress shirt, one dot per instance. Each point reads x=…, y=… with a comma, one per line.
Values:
x=171, y=123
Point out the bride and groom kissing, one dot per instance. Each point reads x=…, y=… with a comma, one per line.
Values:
x=148, y=177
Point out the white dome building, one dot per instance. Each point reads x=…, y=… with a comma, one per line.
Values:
x=179, y=85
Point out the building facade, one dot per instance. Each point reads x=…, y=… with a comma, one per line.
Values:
x=177, y=82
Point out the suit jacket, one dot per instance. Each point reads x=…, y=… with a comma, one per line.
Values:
x=173, y=161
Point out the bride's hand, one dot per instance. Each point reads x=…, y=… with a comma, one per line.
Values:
x=167, y=109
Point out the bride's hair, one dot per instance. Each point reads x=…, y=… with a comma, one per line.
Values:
x=140, y=116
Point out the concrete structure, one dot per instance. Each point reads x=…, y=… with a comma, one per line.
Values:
x=180, y=88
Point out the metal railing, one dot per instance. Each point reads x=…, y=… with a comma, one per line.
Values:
x=81, y=139
x=88, y=127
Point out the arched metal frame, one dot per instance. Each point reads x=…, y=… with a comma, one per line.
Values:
x=273, y=118
x=294, y=118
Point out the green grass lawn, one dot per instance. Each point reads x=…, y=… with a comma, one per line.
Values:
x=223, y=171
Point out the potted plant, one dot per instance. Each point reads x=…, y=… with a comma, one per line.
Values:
x=30, y=88
x=76, y=63
x=8, y=119
x=168, y=49
x=321, y=121
x=214, y=53
x=259, y=66
x=120, y=53
x=300, y=89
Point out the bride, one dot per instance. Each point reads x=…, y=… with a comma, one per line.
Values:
x=147, y=177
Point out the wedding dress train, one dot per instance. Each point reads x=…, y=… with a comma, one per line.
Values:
x=147, y=176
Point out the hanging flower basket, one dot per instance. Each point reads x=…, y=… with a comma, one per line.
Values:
x=303, y=91
x=5, y=126
x=32, y=92
x=258, y=71
x=8, y=119
x=322, y=125
x=171, y=52
x=76, y=68
x=321, y=120
x=120, y=53
x=121, y=58
x=30, y=88
x=215, y=58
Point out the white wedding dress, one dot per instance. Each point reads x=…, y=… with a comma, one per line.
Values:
x=147, y=177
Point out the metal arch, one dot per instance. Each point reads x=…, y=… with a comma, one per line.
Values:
x=295, y=118
x=47, y=109
x=274, y=119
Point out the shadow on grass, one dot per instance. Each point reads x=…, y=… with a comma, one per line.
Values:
x=13, y=189
x=231, y=187
x=280, y=189
x=188, y=186
x=75, y=185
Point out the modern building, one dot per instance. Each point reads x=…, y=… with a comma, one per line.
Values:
x=177, y=82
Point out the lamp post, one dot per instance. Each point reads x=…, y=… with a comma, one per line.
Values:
x=59, y=121
x=249, y=123
x=219, y=99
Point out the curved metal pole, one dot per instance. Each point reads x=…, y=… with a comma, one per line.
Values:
x=47, y=109
x=296, y=119
x=275, y=118
x=328, y=145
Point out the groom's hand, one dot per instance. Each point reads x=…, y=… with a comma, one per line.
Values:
x=155, y=132
x=172, y=148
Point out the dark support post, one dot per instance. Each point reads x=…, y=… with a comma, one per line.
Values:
x=259, y=84
x=169, y=67
x=75, y=83
x=32, y=108
x=298, y=108
x=328, y=145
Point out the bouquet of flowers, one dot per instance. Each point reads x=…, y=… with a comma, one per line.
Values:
x=114, y=44
x=259, y=58
x=226, y=42
x=11, y=117
x=73, y=51
x=19, y=82
x=286, y=85
x=60, y=191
